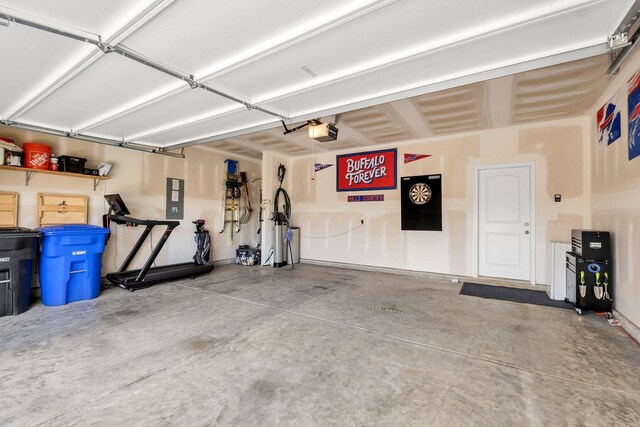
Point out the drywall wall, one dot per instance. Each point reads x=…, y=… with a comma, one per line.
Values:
x=331, y=227
x=140, y=178
x=615, y=202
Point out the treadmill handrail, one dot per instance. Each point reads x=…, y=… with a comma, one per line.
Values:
x=121, y=219
x=125, y=280
x=149, y=224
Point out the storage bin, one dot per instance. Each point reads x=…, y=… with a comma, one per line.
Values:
x=248, y=256
x=13, y=157
x=11, y=153
x=71, y=164
x=36, y=156
x=18, y=249
x=71, y=262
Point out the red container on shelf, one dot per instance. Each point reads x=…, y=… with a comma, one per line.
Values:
x=36, y=156
x=53, y=164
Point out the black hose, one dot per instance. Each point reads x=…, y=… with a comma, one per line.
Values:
x=286, y=205
x=287, y=202
x=281, y=172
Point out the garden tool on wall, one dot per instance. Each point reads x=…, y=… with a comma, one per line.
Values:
x=231, y=201
x=598, y=290
x=606, y=287
x=259, y=232
x=245, y=211
x=582, y=285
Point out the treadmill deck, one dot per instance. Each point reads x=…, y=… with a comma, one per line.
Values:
x=126, y=279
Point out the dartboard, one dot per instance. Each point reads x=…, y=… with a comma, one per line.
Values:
x=420, y=193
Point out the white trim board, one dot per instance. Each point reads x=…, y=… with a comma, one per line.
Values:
x=628, y=325
x=454, y=279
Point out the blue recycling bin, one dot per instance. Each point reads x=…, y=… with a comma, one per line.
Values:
x=71, y=262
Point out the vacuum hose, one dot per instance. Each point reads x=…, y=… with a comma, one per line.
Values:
x=286, y=206
x=277, y=215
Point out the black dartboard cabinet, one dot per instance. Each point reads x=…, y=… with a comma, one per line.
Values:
x=421, y=202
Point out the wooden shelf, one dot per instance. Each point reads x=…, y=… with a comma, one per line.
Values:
x=29, y=172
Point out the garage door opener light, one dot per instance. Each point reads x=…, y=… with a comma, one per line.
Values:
x=321, y=132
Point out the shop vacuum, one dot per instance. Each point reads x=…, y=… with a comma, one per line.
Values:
x=282, y=233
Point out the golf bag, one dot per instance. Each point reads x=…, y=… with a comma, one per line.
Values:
x=203, y=244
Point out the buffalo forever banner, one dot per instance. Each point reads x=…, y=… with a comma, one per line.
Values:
x=370, y=170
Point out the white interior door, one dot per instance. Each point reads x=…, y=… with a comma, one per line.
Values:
x=505, y=222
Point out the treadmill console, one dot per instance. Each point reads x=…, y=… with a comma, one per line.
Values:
x=117, y=204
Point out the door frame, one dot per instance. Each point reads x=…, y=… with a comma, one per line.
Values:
x=476, y=214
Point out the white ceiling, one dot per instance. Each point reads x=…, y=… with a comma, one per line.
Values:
x=258, y=61
x=559, y=91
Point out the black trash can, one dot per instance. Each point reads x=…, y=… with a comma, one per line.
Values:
x=18, y=248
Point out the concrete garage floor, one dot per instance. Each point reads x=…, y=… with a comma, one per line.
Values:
x=313, y=346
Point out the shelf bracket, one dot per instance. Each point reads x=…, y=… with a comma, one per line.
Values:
x=95, y=184
x=27, y=177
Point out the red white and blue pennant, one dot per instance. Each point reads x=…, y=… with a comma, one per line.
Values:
x=409, y=157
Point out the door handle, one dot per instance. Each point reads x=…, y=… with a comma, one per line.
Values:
x=526, y=231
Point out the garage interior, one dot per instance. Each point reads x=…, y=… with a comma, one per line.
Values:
x=370, y=327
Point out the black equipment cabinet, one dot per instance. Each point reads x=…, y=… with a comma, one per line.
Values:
x=591, y=244
x=421, y=202
x=589, y=283
x=589, y=272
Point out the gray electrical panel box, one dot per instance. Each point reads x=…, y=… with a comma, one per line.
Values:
x=175, y=198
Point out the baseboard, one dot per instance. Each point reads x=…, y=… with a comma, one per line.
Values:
x=362, y=267
x=442, y=277
x=224, y=261
x=628, y=325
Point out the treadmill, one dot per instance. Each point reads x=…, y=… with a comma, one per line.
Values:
x=146, y=276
